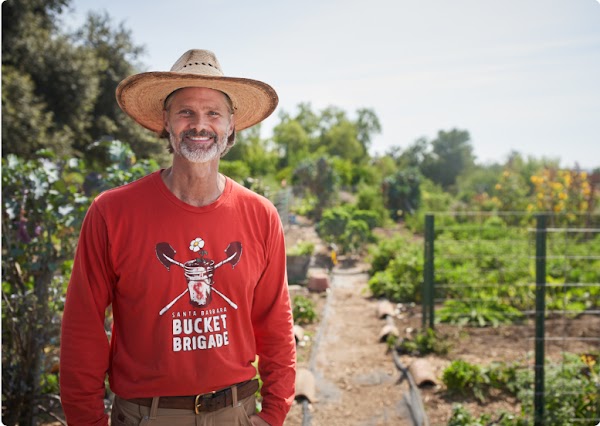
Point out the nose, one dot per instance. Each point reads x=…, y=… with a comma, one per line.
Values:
x=198, y=122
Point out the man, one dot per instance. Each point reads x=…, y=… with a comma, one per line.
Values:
x=193, y=265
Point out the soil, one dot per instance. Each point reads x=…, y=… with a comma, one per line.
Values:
x=356, y=379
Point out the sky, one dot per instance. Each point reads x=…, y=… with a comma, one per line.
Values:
x=518, y=75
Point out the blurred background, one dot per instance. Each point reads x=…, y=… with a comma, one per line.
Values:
x=388, y=110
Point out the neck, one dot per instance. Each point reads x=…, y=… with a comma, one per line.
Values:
x=195, y=184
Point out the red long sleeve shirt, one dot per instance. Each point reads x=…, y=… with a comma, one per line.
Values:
x=196, y=293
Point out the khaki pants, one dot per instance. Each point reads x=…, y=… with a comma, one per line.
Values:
x=125, y=413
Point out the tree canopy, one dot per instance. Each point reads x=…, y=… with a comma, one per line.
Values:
x=59, y=87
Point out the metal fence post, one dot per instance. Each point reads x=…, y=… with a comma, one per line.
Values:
x=540, y=314
x=428, y=273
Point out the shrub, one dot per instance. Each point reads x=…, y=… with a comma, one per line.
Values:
x=301, y=248
x=572, y=391
x=402, y=278
x=347, y=227
x=371, y=199
x=463, y=378
x=303, y=310
x=236, y=170
x=423, y=343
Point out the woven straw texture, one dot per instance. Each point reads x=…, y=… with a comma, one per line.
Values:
x=142, y=96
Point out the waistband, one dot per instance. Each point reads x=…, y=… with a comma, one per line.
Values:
x=207, y=402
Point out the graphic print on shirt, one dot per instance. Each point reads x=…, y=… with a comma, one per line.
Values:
x=199, y=271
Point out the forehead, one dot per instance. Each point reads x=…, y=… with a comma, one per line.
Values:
x=197, y=94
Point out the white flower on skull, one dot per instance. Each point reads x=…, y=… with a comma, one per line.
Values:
x=197, y=244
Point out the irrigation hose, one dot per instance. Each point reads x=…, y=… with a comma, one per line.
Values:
x=414, y=402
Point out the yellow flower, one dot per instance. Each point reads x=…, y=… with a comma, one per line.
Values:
x=589, y=359
x=498, y=187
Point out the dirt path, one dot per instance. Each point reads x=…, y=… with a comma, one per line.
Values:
x=356, y=380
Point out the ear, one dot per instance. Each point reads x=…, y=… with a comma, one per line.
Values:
x=231, y=125
x=165, y=119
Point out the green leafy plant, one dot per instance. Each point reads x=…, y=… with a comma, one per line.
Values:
x=480, y=313
x=301, y=248
x=347, y=227
x=571, y=389
x=43, y=204
x=303, y=310
x=384, y=252
x=399, y=271
x=462, y=417
x=423, y=343
x=463, y=378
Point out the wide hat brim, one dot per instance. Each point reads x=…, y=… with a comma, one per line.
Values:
x=142, y=96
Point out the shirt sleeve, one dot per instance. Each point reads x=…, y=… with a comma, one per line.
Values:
x=84, y=358
x=273, y=328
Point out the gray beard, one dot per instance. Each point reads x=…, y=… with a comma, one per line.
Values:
x=199, y=154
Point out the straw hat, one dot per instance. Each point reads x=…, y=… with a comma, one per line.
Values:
x=142, y=96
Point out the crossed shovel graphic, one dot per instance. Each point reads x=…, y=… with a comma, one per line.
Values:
x=198, y=269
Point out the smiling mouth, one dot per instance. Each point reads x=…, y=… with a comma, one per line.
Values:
x=202, y=137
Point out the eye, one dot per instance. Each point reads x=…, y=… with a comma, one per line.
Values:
x=185, y=112
x=213, y=113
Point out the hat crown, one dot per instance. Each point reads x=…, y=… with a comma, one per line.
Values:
x=199, y=62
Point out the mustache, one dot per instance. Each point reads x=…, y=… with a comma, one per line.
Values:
x=201, y=134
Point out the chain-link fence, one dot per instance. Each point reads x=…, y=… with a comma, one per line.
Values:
x=534, y=279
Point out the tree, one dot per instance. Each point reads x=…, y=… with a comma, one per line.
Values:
x=252, y=150
x=477, y=181
x=116, y=57
x=402, y=192
x=413, y=156
x=62, y=86
x=308, y=120
x=367, y=124
x=451, y=155
x=61, y=79
x=341, y=140
x=293, y=141
x=25, y=21
x=27, y=125
x=319, y=179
